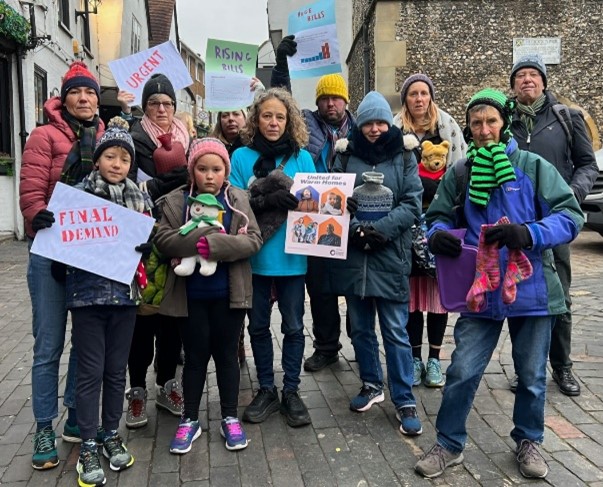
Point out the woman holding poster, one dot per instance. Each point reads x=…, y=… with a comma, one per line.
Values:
x=162, y=142
x=59, y=151
x=374, y=277
x=275, y=134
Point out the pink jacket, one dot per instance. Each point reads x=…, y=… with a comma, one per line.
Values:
x=43, y=158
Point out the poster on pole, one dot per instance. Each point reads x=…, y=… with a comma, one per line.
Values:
x=319, y=225
x=316, y=36
x=93, y=234
x=229, y=67
x=132, y=72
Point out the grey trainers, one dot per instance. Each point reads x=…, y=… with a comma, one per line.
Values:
x=436, y=460
x=136, y=416
x=169, y=397
x=532, y=465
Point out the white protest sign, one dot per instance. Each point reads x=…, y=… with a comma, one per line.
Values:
x=319, y=225
x=132, y=72
x=93, y=234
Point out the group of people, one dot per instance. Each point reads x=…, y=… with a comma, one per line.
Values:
x=519, y=210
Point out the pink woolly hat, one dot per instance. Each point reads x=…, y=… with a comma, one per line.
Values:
x=207, y=145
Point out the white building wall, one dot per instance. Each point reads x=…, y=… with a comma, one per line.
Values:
x=278, y=14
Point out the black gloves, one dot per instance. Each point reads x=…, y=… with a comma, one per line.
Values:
x=287, y=47
x=43, y=219
x=171, y=180
x=367, y=239
x=282, y=199
x=144, y=248
x=444, y=243
x=352, y=206
x=511, y=235
x=58, y=270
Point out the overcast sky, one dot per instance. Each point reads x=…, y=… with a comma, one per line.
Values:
x=232, y=20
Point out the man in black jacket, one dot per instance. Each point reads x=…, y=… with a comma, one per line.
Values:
x=539, y=126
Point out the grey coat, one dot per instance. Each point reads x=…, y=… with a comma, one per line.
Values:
x=234, y=248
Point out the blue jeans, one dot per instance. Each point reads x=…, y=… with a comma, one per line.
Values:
x=393, y=317
x=290, y=292
x=49, y=313
x=476, y=339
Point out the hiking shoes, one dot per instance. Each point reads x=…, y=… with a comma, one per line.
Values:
x=136, y=417
x=187, y=432
x=45, y=449
x=532, y=464
x=367, y=396
x=263, y=405
x=169, y=397
x=89, y=470
x=436, y=460
x=232, y=431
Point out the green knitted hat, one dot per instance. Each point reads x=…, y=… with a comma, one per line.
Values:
x=496, y=99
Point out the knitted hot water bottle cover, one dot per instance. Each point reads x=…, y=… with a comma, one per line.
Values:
x=519, y=269
x=169, y=156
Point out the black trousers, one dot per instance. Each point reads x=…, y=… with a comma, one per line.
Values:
x=166, y=330
x=212, y=330
x=102, y=336
x=326, y=320
x=561, y=337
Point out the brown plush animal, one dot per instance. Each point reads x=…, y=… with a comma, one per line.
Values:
x=433, y=159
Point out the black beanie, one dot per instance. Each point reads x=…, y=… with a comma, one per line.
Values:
x=157, y=84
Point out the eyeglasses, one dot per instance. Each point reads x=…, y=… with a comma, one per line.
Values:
x=154, y=104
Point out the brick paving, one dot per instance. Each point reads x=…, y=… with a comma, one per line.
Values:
x=341, y=448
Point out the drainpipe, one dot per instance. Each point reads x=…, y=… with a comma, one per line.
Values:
x=21, y=96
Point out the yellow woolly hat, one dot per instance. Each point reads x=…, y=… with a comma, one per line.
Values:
x=332, y=85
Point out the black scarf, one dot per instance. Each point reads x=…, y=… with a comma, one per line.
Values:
x=269, y=151
x=384, y=148
x=78, y=163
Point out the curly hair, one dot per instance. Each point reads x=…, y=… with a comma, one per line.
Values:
x=429, y=124
x=296, y=127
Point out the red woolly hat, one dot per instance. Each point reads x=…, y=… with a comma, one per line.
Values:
x=77, y=76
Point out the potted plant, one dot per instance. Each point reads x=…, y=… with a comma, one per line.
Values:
x=7, y=164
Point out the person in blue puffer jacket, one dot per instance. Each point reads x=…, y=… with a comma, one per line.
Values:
x=517, y=207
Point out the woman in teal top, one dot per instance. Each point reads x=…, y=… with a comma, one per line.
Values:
x=274, y=136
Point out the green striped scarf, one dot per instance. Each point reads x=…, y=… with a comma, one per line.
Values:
x=490, y=168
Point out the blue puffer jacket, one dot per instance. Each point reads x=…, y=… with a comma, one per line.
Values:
x=382, y=273
x=538, y=198
x=318, y=131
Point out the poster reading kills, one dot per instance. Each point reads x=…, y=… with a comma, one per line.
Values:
x=319, y=225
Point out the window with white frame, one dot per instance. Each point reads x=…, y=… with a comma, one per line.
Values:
x=40, y=93
x=135, y=38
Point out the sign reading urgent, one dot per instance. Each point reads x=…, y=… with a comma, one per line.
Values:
x=93, y=234
x=132, y=72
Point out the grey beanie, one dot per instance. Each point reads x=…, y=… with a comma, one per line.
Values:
x=158, y=83
x=529, y=61
x=374, y=107
x=413, y=78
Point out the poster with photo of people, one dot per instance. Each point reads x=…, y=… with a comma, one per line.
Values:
x=319, y=225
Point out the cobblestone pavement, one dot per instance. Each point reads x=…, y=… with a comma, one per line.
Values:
x=341, y=447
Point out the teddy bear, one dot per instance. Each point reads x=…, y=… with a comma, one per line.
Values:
x=431, y=168
x=205, y=211
x=433, y=159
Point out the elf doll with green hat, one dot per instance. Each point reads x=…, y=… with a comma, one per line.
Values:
x=515, y=203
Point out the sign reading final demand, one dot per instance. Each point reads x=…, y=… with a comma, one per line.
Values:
x=316, y=37
x=132, y=72
x=93, y=234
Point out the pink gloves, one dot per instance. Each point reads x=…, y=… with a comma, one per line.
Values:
x=203, y=247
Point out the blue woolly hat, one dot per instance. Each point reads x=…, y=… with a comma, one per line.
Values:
x=374, y=107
